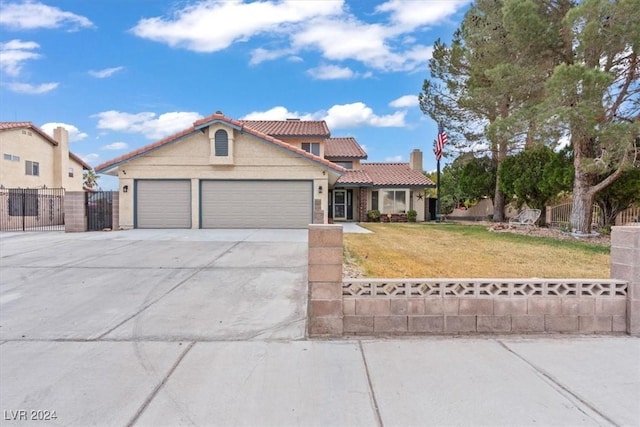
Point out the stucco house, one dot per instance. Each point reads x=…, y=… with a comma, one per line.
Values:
x=227, y=173
x=33, y=159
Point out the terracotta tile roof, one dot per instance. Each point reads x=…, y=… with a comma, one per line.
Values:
x=386, y=174
x=206, y=122
x=355, y=177
x=286, y=128
x=46, y=136
x=345, y=147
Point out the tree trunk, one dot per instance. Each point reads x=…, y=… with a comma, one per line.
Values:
x=498, y=203
x=582, y=207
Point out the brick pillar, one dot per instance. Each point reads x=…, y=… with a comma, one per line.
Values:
x=75, y=211
x=362, y=217
x=324, y=313
x=115, y=210
x=625, y=265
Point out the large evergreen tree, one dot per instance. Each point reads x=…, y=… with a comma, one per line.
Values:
x=595, y=98
x=476, y=87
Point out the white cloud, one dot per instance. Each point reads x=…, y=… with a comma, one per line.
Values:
x=74, y=133
x=146, y=123
x=294, y=26
x=335, y=72
x=343, y=116
x=405, y=102
x=394, y=159
x=14, y=53
x=90, y=158
x=278, y=113
x=210, y=26
x=420, y=13
x=32, y=89
x=115, y=146
x=331, y=72
x=107, y=72
x=31, y=15
x=359, y=114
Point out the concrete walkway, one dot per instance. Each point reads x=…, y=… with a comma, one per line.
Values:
x=191, y=327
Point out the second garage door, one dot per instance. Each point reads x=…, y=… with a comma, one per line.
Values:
x=163, y=204
x=256, y=204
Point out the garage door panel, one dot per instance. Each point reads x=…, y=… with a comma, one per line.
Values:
x=256, y=204
x=163, y=204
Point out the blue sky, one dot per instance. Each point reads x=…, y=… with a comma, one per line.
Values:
x=120, y=74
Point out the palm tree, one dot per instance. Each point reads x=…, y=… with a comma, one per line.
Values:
x=90, y=178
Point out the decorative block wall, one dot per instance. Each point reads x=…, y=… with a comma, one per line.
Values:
x=454, y=306
x=462, y=306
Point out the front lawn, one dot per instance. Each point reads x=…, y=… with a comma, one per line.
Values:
x=458, y=251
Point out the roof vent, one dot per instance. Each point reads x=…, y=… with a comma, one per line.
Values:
x=219, y=112
x=294, y=119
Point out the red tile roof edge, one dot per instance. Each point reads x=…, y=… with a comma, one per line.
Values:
x=49, y=138
x=217, y=117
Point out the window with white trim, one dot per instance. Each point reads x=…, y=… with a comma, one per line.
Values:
x=11, y=157
x=311, y=147
x=70, y=172
x=394, y=201
x=31, y=168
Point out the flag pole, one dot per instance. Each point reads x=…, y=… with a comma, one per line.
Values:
x=438, y=190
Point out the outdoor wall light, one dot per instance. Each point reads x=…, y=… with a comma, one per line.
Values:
x=320, y=189
x=125, y=188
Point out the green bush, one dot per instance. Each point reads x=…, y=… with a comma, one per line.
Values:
x=373, y=215
x=412, y=215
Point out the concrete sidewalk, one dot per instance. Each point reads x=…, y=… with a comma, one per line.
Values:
x=407, y=382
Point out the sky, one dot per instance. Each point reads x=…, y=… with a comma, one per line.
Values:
x=121, y=74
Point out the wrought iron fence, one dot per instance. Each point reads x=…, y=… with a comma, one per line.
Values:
x=99, y=210
x=32, y=209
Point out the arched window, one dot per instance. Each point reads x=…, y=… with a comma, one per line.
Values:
x=221, y=143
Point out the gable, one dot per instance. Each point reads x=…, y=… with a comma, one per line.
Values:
x=188, y=152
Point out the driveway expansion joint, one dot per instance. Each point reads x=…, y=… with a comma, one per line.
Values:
x=561, y=388
x=157, y=389
x=372, y=393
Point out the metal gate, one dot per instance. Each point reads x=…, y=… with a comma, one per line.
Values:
x=32, y=209
x=99, y=210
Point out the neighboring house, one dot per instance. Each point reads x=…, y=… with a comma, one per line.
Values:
x=226, y=173
x=33, y=159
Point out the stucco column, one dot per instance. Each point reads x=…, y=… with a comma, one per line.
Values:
x=625, y=265
x=325, y=280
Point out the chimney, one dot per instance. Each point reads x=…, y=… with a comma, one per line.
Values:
x=415, y=160
x=61, y=156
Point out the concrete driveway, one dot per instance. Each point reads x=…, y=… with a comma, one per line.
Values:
x=165, y=285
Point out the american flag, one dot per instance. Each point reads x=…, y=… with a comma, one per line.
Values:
x=441, y=141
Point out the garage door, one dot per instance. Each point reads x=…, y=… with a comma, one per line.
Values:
x=163, y=204
x=256, y=204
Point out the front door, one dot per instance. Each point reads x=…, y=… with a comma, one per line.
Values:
x=339, y=204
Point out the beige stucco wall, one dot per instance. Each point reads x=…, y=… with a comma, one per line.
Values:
x=297, y=142
x=30, y=145
x=189, y=158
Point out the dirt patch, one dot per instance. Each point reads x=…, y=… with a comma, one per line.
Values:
x=553, y=233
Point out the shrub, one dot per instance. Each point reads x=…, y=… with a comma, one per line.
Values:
x=373, y=215
x=412, y=215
